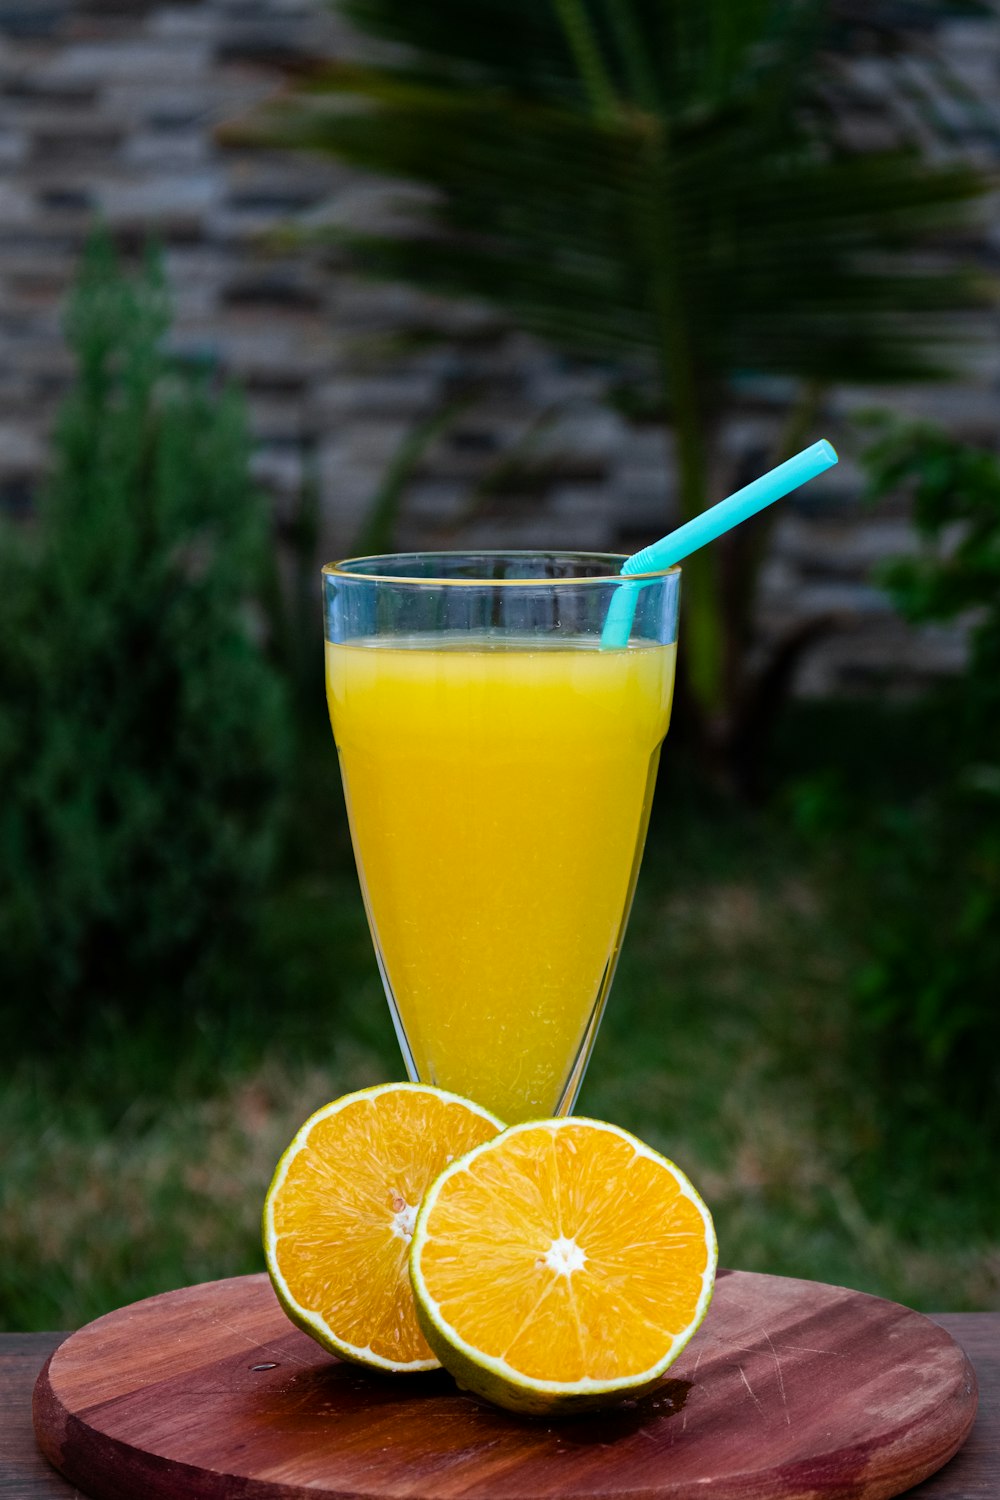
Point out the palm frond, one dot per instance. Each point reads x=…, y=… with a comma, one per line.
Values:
x=653, y=179
x=594, y=232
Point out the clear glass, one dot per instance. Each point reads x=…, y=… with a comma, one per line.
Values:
x=498, y=768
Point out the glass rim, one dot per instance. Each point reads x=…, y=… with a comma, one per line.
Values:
x=348, y=568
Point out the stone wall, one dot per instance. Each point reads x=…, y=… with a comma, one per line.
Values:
x=112, y=107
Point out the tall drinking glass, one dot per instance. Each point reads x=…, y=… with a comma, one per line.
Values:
x=498, y=768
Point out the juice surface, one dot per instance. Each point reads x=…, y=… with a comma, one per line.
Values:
x=498, y=794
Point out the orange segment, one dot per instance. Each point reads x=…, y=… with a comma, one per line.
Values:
x=339, y=1216
x=561, y=1257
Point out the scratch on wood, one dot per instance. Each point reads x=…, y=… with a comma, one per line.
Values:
x=749, y=1387
x=808, y=1349
x=791, y=1348
x=777, y=1371
x=255, y=1343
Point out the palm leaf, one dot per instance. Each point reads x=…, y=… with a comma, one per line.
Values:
x=574, y=225
x=654, y=180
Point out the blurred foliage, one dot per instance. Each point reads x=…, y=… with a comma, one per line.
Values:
x=926, y=854
x=661, y=185
x=939, y=980
x=142, y=731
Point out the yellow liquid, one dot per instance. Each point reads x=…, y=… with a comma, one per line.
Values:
x=498, y=796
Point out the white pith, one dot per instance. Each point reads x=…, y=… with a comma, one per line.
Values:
x=564, y=1256
x=404, y=1221
x=500, y=1366
x=326, y=1333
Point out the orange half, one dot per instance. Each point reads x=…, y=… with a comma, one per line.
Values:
x=561, y=1265
x=340, y=1211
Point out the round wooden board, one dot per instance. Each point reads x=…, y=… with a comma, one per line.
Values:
x=790, y=1389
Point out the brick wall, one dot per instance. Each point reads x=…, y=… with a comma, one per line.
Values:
x=111, y=107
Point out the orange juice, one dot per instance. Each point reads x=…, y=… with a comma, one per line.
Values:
x=498, y=795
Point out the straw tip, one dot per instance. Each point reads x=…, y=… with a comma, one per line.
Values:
x=826, y=450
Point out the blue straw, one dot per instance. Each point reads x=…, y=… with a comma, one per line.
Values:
x=705, y=528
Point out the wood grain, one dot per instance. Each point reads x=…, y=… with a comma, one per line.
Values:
x=973, y=1474
x=24, y=1474
x=791, y=1390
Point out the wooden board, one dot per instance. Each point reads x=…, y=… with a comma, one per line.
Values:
x=975, y=1470
x=791, y=1390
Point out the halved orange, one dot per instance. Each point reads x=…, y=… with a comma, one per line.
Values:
x=339, y=1215
x=561, y=1265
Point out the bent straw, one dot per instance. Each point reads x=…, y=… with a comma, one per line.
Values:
x=705, y=528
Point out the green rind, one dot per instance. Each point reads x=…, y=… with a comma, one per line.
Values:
x=526, y=1401
x=311, y=1323
x=479, y=1373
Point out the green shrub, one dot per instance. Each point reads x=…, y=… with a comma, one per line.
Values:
x=930, y=997
x=142, y=731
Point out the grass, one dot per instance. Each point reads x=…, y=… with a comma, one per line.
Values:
x=137, y=1152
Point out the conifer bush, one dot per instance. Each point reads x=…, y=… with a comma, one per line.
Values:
x=143, y=735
